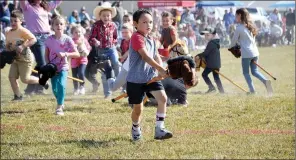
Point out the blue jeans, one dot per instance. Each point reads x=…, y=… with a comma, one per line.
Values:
x=79, y=73
x=246, y=64
x=6, y=20
x=206, y=78
x=113, y=56
x=59, y=83
x=38, y=50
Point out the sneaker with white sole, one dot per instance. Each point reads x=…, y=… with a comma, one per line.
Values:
x=162, y=133
x=76, y=92
x=59, y=111
x=82, y=90
x=136, y=133
x=268, y=87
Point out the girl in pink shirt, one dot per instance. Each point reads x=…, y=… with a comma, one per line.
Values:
x=36, y=18
x=79, y=64
x=58, y=48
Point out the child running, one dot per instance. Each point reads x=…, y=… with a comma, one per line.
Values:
x=19, y=39
x=143, y=63
x=212, y=58
x=79, y=64
x=60, y=47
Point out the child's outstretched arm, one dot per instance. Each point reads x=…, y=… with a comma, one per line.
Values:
x=158, y=59
x=152, y=62
x=69, y=54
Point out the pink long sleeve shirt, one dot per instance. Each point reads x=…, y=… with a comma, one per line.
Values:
x=37, y=17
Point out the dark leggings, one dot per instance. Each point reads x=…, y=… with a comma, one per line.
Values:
x=205, y=74
x=79, y=72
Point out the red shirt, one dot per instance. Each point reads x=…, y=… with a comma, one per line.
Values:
x=124, y=46
x=105, y=33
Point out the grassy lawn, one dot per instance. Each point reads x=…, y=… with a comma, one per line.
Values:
x=232, y=126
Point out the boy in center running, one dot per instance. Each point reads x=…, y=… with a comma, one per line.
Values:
x=144, y=61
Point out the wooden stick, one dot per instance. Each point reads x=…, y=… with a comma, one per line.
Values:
x=124, y=95
x=145, y=100
x=264, y=70
x=75, y=79
x=230, y=81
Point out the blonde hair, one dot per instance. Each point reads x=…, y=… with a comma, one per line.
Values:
x=60, y=18
x=127, y=26
x=76, y=27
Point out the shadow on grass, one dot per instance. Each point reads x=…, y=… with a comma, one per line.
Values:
x=81, y=109
x=84, y=143
x=11, y=112
x=80, y=143
x=89, y=143
x=19, y=112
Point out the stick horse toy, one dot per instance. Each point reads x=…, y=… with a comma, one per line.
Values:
x=237, y=53
x=178, y=67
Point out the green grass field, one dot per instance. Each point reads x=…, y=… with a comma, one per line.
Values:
x=232, y=126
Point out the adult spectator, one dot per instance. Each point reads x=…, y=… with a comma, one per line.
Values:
x=290, y=25
x=228, y=19
x=275, y=33
x=263, y=33
x=231, y=16
x=5, y=13
x=187, y=17
x=83, y=15
x=37, y=21
x=275, y=17
x=74, y=18
x=118, y=19
x=13, y=6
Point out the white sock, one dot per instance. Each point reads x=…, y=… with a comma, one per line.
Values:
x=136, y=125
x=160, y=120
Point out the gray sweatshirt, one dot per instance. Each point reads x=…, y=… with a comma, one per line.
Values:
x=246, y=40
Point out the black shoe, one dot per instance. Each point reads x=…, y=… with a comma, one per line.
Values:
x=16, y=98
x=211, y=90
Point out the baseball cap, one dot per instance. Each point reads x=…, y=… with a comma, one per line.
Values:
x=208, y=30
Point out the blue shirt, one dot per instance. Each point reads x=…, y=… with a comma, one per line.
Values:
x=4, y=13
x=228, y=19
x=73, y=20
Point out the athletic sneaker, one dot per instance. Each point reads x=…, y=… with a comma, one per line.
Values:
x=59, y=111
x=46, y=86
x=162, y=133
x=268, y=87
x=251, y=93
x=82, y=90
x=211, y=90
x=76, y=92
x=136, y=133
x=17, y=98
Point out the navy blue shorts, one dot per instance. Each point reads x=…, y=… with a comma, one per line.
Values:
x=136, y=91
